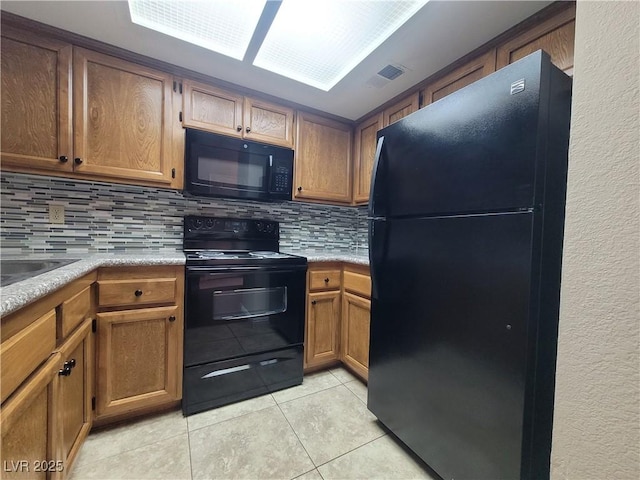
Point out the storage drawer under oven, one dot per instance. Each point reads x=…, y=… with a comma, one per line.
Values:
x=219, y=383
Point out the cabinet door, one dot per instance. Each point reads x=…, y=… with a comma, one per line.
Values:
x=139, y=359
x=36, y=102
x=322, y=345
x=365, y=152
x=267, y=122
x=356, y=318
x=29, y=425
x=461, y=77
x=76, y=389
x=122, y=119
x=323, y=160
x=555, y=36
x=401, y=109
x=211, y=109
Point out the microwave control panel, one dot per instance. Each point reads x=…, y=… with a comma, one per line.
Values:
x=280, y=179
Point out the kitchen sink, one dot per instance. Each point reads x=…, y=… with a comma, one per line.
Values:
x=15, y=270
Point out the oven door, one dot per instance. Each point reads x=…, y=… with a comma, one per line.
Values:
x=236, y=311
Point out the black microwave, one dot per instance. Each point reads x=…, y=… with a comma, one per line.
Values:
x=219, y=166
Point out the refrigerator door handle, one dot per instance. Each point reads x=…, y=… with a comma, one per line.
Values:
x=377, y=183
x=377, y=251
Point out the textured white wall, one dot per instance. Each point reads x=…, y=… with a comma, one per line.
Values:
x=597, y=422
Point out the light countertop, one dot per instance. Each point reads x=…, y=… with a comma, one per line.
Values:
x=19, y=294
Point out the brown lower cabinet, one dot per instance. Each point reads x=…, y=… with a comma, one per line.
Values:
x=338, y=316
x=139, y=340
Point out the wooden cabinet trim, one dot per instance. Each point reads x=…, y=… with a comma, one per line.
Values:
x=25, y=351
x=81, y=60
x=107, y=406
x=21, y=400
x=364, y=157
x=555, y=22
x=124, y=293
x=74, y=311
x=63, y=104
x=304, y=187
x=188, y=119
x=407, y=106
x=485, y=64
x=256, y=134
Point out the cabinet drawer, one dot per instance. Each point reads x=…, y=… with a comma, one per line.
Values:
x=357, y=283
x=74, y=311
x=116, y=293
x=21, y=354
x=324, y=280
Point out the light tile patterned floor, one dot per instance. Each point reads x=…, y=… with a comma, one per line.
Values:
x=318, y=430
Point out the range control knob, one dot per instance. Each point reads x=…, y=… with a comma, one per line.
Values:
x=209, y=223
x=197, y=223
x=260, y=226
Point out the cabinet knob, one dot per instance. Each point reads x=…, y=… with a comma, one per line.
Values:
x=172, y=318
x=63, y=159
x=77, y=160
x=313, y=302
x=70, y=363
x=239, y=128
x=326, y=280
x=65, y=372
x=138, y=293
x=248, y=129
x=299, y=189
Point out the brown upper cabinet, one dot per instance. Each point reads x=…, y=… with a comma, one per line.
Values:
x=36, y=102
x=322, y=160
x=460, y=77
x=364, y=156
x=401, y=109
x=554, y=35
x=118, y=128
x=213, y=109
x=122, y=119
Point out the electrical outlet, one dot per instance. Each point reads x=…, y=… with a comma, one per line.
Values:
x=56, y=213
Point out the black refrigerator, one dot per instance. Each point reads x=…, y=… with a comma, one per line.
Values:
x=466, y=219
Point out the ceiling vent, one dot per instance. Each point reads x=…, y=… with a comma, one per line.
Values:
x=390, y=72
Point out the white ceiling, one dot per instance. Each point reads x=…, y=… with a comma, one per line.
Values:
x=439, y=34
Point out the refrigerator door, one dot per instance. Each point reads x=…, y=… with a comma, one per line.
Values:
x=476, y=150
x=449, y=339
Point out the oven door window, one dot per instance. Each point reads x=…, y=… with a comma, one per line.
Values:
x=249, y=303
x=232, y=169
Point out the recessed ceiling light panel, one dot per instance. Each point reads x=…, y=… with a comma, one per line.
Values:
x=319, y=42
x=224, y=26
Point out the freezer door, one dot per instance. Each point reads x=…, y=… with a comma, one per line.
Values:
x=450, y=334
x=479, y=149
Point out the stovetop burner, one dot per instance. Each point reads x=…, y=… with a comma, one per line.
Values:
x=235, y=255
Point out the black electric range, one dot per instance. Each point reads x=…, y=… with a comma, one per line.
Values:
x=244, y=312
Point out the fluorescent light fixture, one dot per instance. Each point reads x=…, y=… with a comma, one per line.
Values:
x=224, y=26
x=318, y=42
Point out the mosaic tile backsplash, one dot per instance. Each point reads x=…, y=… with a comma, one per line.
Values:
x=104, y=217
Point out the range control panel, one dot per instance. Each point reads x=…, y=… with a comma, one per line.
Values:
x=230, y=227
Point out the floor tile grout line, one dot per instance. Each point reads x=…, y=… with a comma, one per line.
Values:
x=231, y=418
x=311, y=393
x=299, y=440
x=90, y=462
x=352, y=450
x=189, y=446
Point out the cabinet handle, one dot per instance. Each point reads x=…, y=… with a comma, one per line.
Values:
x=77, y=160
x=138, y=293
x=63, y=159
x=65, y=372
x=172, y=318
x=248, y=129
x=313, y=302
x=239, y=128
x=299, y=189
x=326, y=280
